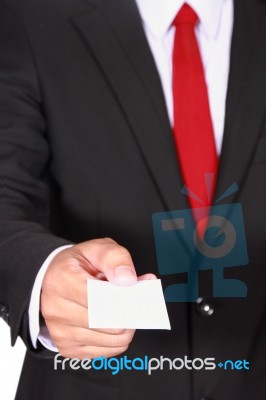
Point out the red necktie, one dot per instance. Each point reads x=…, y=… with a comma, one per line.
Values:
x=193, y=130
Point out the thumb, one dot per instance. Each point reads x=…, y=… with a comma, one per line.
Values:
x=110, y=260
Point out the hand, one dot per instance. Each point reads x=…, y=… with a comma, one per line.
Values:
x=64, y=298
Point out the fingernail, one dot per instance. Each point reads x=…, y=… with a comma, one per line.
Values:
x=124, y=276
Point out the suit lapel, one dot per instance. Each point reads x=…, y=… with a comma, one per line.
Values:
x=113, y=31
x=245, y=105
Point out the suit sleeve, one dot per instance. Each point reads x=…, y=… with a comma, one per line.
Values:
x=25, y=239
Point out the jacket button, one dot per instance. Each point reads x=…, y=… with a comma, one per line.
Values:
x=205, y=308
x=3, y=313
x=2, y=310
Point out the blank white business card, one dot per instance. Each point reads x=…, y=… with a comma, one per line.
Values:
x=141, y=306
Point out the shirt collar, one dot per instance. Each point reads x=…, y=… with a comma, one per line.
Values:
x=158, y=15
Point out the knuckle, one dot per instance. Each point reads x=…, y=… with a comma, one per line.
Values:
x=69, y=352
x=94, y=353
x=122, y=340
x=109, y=240
x=57, y=337
x=78, y=337
x=123, y=251
x=122, y=349
x=118, y=252
x=48, y=312
x=130, y=337
x=102, y=241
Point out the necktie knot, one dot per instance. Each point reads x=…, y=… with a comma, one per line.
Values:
x=186, y=15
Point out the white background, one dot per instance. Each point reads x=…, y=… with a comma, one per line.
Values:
x=11, y=359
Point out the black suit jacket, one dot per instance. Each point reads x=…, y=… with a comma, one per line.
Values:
x=86, y=151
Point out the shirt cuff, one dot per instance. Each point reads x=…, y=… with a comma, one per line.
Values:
x=37, y=332
x=45, y=339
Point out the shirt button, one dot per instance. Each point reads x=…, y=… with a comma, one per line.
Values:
x=205, y=308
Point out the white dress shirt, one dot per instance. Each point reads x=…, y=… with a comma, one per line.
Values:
x=214, y=33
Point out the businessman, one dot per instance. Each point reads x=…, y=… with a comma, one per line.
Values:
x=107, y=109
